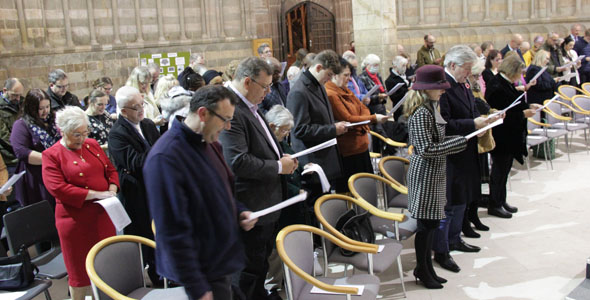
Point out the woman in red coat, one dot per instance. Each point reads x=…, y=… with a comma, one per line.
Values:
x=76, y=171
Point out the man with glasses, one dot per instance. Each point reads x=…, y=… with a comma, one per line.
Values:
x=130, y=140
x=11, y=99
x=254, y=155
x=278, y=94
x=58, y=91
x=264, y=51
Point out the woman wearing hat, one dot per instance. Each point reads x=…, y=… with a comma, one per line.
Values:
x=426, y=175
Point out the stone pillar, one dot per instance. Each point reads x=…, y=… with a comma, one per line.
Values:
x=138, y=22
x=375, y=30
x=533, y=14
x=160, y=21
x=181, y=19
x=68, y=22
x=204, y=27
x=465, y=12
x=116, y=28
x=91, y=29
x=22, y=24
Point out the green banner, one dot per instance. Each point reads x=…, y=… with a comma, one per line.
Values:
x=170, y=62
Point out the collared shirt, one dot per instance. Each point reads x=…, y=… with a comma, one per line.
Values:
x=136, y=126
x=254, y=110
x=448, y=73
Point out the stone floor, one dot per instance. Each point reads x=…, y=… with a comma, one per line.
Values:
x=538, y=254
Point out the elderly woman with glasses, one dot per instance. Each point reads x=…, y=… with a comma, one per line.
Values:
x=100, y=121
x=77, y=172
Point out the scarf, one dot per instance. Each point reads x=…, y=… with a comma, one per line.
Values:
x=48, y=136
x=376, y=80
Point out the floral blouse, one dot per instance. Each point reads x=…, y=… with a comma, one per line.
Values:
x=99, y=128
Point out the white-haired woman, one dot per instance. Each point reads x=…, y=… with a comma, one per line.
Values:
x=177, y=104
x=397, y=74
x=100, y=121
x=76, y=171
x=140, y=78
x=370, y=78
x=164, y=85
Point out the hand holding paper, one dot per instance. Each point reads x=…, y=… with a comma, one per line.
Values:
x=552, y=99
x=309, y=168
x=116, y=212
x=538, y=74
x=479, y=131
x=357, y=123
x=11, y=181
x=397, y=105
x=372, y=91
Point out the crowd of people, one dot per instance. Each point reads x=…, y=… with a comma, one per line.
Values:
x=198, y=153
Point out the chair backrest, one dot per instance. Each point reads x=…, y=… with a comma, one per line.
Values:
x=299, y=248
x=536, y=117
x=367, y=187
x=396, y=168
x=582, y=101
x=556, y=108
x=586, y=87
x=331, y=210
x=31, y=225
x=567, y=91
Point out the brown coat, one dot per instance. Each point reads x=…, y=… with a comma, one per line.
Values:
x=347, y=107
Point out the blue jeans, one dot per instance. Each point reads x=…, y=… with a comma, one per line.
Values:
x=449, y=230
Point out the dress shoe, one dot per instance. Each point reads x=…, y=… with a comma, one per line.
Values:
x=478, y=225
x=425, y=277
x=509, y=208
x=469, y=232
x=446, y=261
x=499, y=212
x=463, y=247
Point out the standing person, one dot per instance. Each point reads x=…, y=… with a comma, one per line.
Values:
x=130, y=140
x=510, y=136
x=34, y=132
x=513, y=45
x=555, y=66
x=486, y=47
x=546, y=86
x=582, y=48
x=105, y=84
x=264, y=51
x=457, y=106
x=428, y=55
x=426, y=174
x=11, y=99
x=575, y=31
x=354, y=144
x=254, y=155
x=58, y=90
x=198, y=236
x=355, y=84
x=314, y=121
x=278, y=94
x=140, y=79
x=77, y=172
x=398, y=75
x=370, y=78
x=569, y=55
x=155, y=74
x=100, y=121
x=529, y=55
x=493, y=61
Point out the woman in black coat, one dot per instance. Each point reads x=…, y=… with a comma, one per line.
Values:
x=397, y=74
x=546, y=85
x=493, y=61
x=510, y=136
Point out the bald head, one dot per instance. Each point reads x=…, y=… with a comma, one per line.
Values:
x=576, y=29
x=429, y=41
x=275, y=65
x=515, y=41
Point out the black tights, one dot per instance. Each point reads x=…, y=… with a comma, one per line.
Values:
x=423, y=242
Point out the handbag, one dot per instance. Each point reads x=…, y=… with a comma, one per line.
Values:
x=17, y=271
x=357, y=227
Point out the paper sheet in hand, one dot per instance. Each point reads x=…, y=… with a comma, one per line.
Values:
x=552, y=99
x=315, y=148
x=116, y=212
x=513, y=104
x=538, y=74
x=475, y=133
x=317, y=290
x=397, y=105
x=371, y=91
x=567, y=77
x=11, y=181
x=395, y=88
x=288, y=202
x=358, y=123
x=318, y=170
x=283, y=67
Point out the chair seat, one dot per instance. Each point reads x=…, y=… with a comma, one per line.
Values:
x=399, y=201
x=54, y=269
x=385, y=227
x=176, y=293
x=370, y=282
x=551, y=133
x=534, y=140
x=381, y=260
x=570, y=126
x=37, y=287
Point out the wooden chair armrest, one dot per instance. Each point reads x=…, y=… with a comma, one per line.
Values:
x=374, y=155
x=388, y=141
x=559, y=117
x=572, y=108
x=538, y=123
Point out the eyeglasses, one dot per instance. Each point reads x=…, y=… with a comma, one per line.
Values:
x=78, y=135
x=61, y=87
x=267, y=87
x=137, y=107
x=226, y=121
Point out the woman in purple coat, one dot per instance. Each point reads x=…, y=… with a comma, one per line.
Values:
x=31, y=134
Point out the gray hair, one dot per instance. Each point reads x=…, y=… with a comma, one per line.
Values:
x=173, y=104
x=371, y=59
x=125, y=94
x=137, y=76
x=56, y=75
x=251, y=67
x=460, y=55
x=280, y=116
x=478, y=67
x=70, y=118
x=260, y=49
x=164, y=85
x=153, y=67
x=399, y=61
x=348, y=55
x=10, y=83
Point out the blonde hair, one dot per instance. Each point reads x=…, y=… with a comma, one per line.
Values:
x=164, y=85
x=415, y=100
x=539, y=58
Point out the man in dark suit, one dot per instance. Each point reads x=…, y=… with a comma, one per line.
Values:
x=314, y=120
x=513, y=45
x=130, y=140
x=463, y=179
x=255, y=156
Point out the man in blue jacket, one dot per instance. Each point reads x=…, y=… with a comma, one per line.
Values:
x=583, y=48
x=190, y=191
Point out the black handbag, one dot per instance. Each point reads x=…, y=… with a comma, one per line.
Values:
x=357, y=227
x=17, y=271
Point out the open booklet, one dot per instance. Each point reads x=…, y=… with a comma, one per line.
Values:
x=11, y=181
x=372, y=91
x=475, y=133
x=116, y=212
x=397, y=105
x=395, y=88
x=315, y=148
x=567, y=77
x=288, y=202
x=547, y=104
x=513, y=104
x=311, y=167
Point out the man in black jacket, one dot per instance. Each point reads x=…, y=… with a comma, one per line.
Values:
x=130, y=140
x=58, y=91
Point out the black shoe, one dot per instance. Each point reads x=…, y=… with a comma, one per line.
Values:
x=469, y=232
x=463, y=247
x=446, y=262
x=478, y=225
x=426, y=278
x=509, y=208
x=499, y=212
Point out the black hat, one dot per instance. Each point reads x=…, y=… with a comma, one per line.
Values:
x=209, y=75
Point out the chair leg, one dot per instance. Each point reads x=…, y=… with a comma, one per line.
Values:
x=47, y=295
x=400, y=269
x=567, y=148
x=547, y=148
x=545, y=152
x=528, y=165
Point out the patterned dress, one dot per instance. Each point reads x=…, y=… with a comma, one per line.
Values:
x=99, y=128
x=426, y=174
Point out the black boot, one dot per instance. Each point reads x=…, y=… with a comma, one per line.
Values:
x=429, y=242
x=474, y=218
x=422, y=273
x=467, y=230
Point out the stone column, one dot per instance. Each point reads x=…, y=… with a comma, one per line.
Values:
x=465, y=12
x=533, y=14
x=421, y=11
x=375, y=30
x=244, y=33
x=181, y=19
x=68, y=22
x=91, y=29
x=220, y=22
x=578, y=7
x=160, y=20
x=487, y=10
x=116, y=28
x=204, y=27
x=509, y=8
x=22, y=24
x=138, y=22
x=443, y=10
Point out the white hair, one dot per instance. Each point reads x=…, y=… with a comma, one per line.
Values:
x=70, y=118
x=399, y=61
x=280, y=116
x=164, y=85
x=139, y=75
x=460, y=55
x=371, y=59
x=478, y=67
x=173, y=104
x=125, y=94
x=348, y=55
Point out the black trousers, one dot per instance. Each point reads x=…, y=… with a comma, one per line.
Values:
x=221, y=288
x=501, y=165
x=258, y=244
